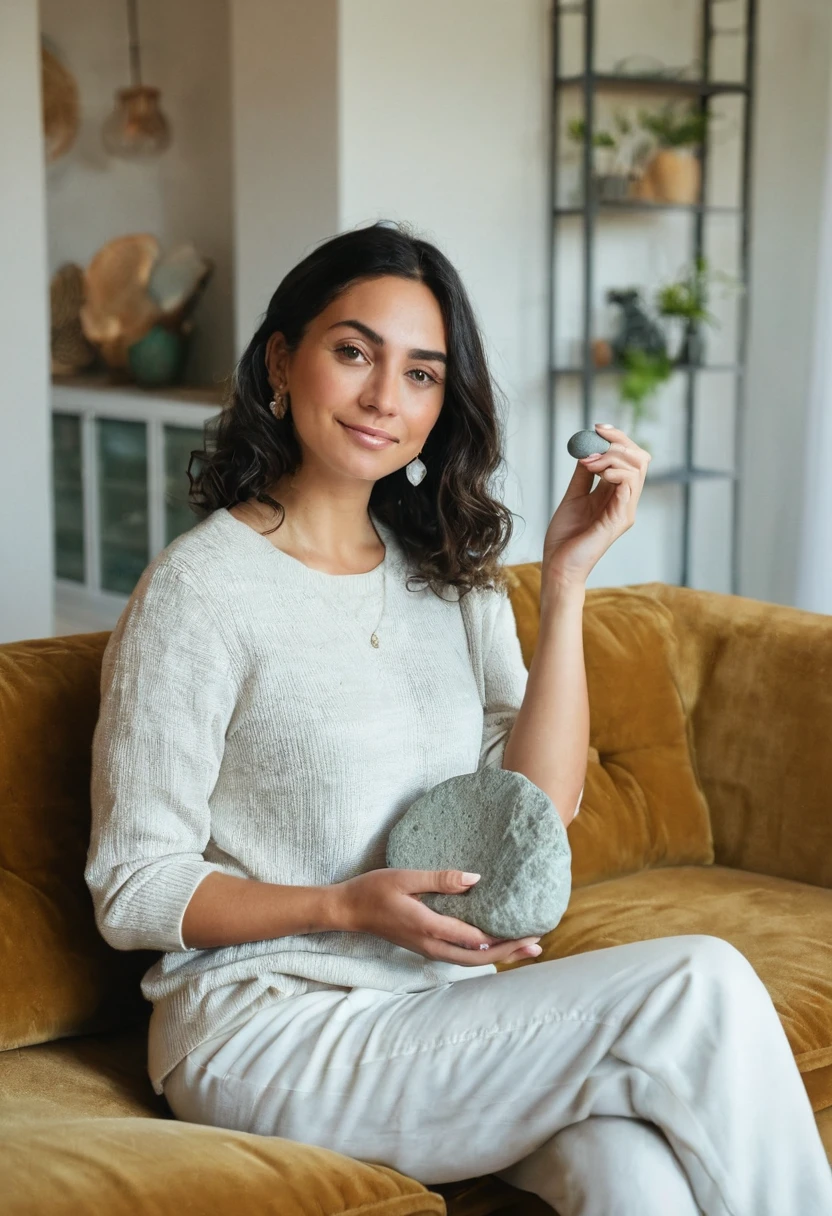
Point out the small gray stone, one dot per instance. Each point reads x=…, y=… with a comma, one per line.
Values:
x=499, y=824
x=584, y=443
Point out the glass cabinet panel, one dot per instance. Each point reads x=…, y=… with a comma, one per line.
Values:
x=123, y=503
x=179, y=442
x=67, y=473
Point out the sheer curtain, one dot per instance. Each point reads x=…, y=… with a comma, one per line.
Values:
x=813, y=583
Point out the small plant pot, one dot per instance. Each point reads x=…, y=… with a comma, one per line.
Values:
x=612, y=187
x=673, y=176
x=676, y=332
x=693, y=346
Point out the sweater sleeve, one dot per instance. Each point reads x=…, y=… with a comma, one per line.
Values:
x=504, y=676
x=166, y=699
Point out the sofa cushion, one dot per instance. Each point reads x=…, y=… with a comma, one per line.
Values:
x=756, y=681
x=59, y=975
x=78, y=1135
x=642, y=803
x=782, y=927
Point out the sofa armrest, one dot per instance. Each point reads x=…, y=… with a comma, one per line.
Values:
x=756, y=682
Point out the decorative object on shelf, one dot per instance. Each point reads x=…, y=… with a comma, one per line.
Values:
x=637, y=330
x=70, y=351
x=137, y=128
x=640, y=349
x=621, y=161
x=158, y=358
x=602, y=353
x=130, y=289
x=499, y=824
x=59, y=94
x=117, y=309
x=674, y=173
x=686, y=300
x=646, y=67
x=586, y=443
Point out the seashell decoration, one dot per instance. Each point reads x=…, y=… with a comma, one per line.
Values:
x=117, y=310
x=129, y=288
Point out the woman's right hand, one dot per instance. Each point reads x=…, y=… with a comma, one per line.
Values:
x=387, y=903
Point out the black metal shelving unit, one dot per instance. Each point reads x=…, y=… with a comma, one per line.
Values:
x=589, y=83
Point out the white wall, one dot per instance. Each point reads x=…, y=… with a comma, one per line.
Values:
x=443, y=123
x=285, y=93
x=793, y=138
x=26, y=503
x=183, y=195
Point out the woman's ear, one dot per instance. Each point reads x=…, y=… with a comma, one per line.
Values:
x=276, y=358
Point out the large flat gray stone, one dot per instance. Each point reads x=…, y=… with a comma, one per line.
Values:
x=496, y=823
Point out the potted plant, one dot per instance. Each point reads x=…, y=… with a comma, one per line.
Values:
x=639, y=349
x=614, y=177
x=674, y=173
x=686, y=300
x=644, y=372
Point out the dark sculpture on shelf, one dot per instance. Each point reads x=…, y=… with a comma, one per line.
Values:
x=637, y=330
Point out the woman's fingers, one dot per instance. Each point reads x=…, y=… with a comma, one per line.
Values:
x=618, y=454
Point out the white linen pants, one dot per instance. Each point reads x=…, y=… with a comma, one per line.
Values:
x=647, y=1079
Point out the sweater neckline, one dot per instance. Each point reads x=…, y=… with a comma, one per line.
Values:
x=308, y=576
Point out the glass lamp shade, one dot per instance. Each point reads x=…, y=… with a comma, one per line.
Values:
x=137, y=127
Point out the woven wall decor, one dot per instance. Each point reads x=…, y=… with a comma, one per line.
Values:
x=61, y=110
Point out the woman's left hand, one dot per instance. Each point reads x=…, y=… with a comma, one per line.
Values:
x=586, y=523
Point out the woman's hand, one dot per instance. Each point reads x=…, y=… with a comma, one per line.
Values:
x=585, y=524
x=386, y=903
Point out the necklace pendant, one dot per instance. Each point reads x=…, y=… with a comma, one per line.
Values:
x=374, y=641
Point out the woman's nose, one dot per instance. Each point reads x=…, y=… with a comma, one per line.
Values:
x=381, y=389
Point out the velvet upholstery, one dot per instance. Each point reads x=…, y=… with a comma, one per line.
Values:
x=705, y=810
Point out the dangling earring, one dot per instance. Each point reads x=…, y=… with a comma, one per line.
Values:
x=279, y=404
x=415, y=471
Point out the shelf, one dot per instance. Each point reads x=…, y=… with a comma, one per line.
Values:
x=186, y=394
x=683, y=475
x=639, y=205
x=652, y=84
x=614, y=369
x=599, y=202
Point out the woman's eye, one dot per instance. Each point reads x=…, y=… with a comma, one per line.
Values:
x=348, y=349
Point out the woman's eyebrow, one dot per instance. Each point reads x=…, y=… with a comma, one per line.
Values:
x=437, y=355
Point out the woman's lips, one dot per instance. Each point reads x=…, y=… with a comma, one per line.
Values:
x=367, y=441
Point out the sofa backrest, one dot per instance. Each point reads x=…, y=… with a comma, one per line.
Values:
x=59, y=975
x=641, y=807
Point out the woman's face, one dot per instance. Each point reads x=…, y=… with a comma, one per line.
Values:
x=375, y=357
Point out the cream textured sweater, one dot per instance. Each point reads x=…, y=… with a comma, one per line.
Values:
x=247, y=725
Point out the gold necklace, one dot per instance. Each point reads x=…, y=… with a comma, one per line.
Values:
x=374, y=635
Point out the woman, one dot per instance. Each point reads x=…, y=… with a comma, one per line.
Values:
x=274, y=697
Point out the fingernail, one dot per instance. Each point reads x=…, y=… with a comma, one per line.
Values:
x=594, y=456
x=471, y=877
x=534, y=950
x=603, y=424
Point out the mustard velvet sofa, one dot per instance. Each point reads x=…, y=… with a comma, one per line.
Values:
x=707, y=809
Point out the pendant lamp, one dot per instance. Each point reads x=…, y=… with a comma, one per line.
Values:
x=137, y=129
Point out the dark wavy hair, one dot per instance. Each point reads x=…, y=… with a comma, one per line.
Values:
x=451, y=528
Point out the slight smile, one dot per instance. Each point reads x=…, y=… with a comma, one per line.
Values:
x=368, y=440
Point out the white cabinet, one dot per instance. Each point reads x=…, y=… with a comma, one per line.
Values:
x=120, y=460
